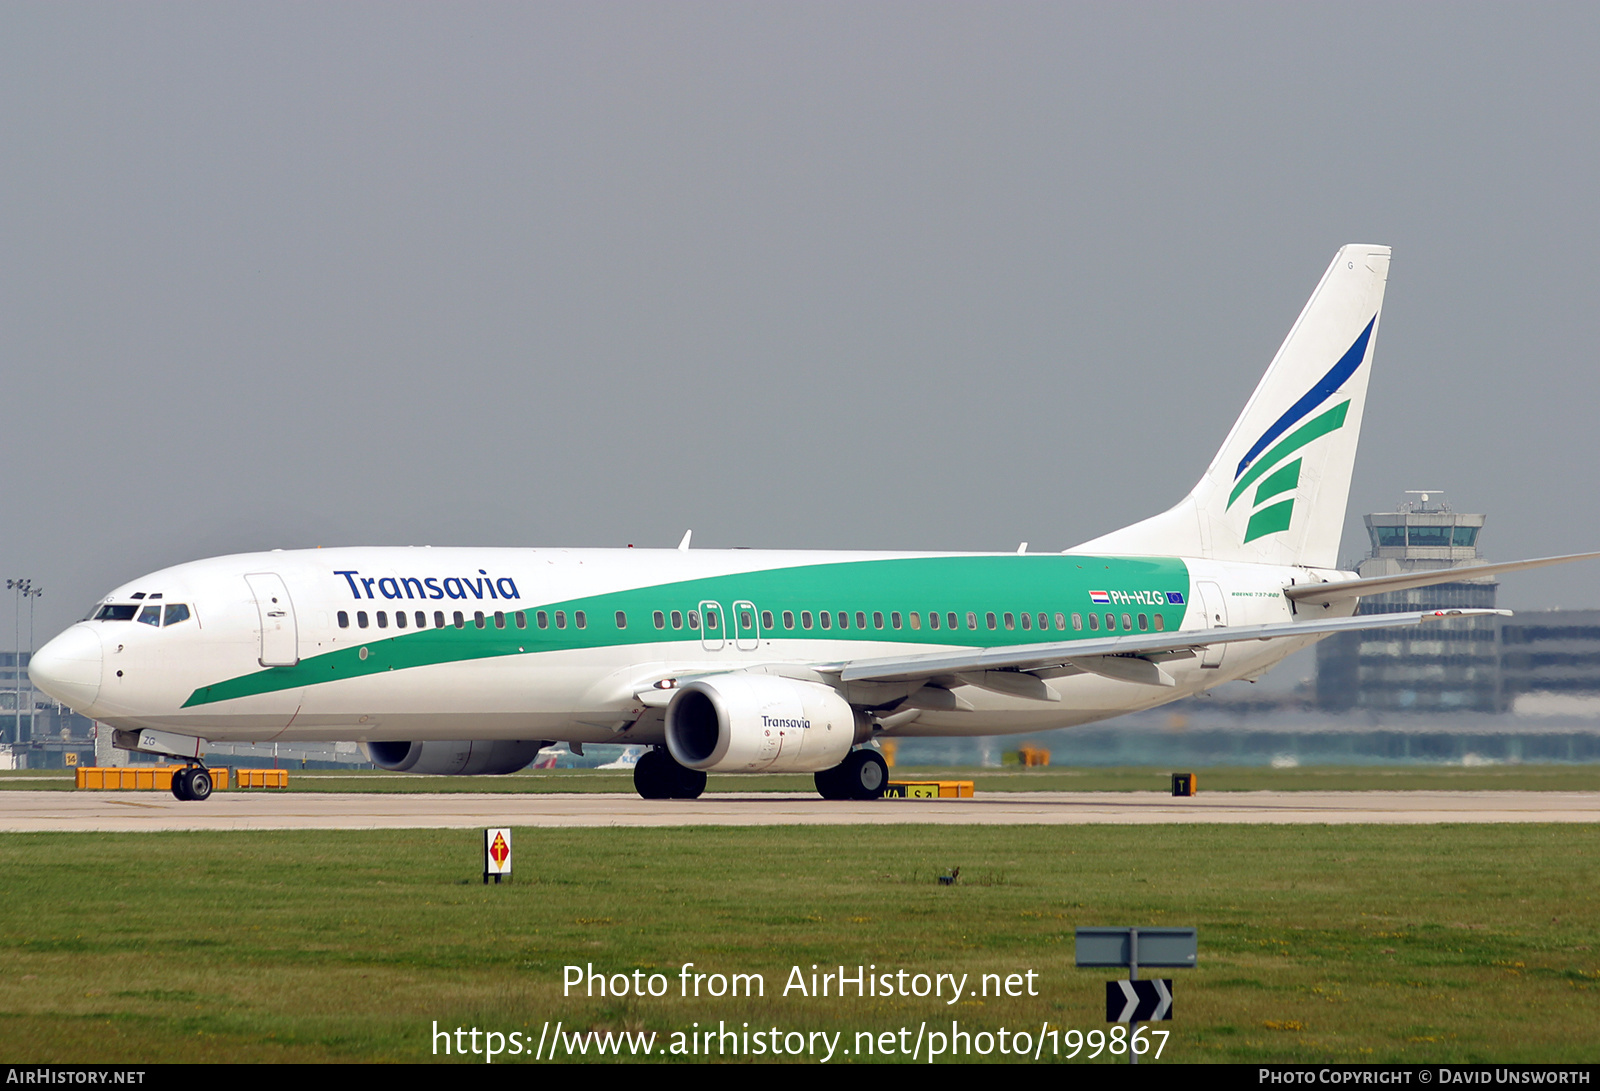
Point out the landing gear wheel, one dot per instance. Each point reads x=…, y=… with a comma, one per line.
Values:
x=831, y=783
x=180, y=785
x=864, y=775
x=658, y=776
x=199, y=785
x=652, y=777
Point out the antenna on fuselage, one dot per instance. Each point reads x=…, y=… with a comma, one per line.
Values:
x=1023, y=548
x=684, y=545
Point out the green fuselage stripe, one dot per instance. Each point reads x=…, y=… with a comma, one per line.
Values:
x=1020, y=584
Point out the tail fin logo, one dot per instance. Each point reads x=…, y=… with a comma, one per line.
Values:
x=1284, y=477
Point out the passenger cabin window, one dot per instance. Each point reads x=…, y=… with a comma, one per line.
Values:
x=561, y=619
x=1161, y=625
x=805, y=619
x=477, y=618
x=399, y=619
x=711, y=620
x=825, y=617
x=989, y=619
x=1144, y=622
x=361, y=619
x=622, y=620
x=677, y=619
x=1127, y=622
x=933, y=619
x=581, y=619
x=438, y=619
x=694, y=619
x=541, y=619
x=877, y=619
x=459, y=620
x=344, y=620
x=972, y=619
x=150, y=615
x=1061, y=621
x=1077, y=622
x=788, y=619
x=522, y=619
x=1044, y=621
x=499, y=619
x=844, y=620
x=916, y=620
x=383, y=619
x=1094, y=623
x=1111, y=622
x=766, y=619
x=1026, y=622
x=660, y=619
x=1011, y=621
x=894, y=619
x=861, y=619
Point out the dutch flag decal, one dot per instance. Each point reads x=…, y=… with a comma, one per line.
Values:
x=1099, y=596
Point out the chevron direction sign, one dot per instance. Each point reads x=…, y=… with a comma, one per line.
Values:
x=1138, y=1001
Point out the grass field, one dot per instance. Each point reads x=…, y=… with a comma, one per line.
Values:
x=1566, y=778
x=1355, y=943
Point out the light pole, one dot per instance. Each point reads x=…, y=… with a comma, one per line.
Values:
x=32, y=595
x=18, y=588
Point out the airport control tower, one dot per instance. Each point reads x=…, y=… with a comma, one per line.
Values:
x=1447, y=666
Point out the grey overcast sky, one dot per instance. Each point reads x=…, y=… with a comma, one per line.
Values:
x=838, y=275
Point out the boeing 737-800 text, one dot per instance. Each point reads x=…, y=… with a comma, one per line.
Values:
x=471, y=660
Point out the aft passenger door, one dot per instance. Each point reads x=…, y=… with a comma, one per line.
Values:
x=1216, y=607
x=280, y=637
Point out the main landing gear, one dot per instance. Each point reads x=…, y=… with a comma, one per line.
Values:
x=862, y=775
x=657, y=775
x=192, y=784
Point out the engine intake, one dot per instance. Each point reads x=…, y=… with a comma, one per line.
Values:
x=757, y=723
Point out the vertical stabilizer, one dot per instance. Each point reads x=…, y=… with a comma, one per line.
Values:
x=1276, y=491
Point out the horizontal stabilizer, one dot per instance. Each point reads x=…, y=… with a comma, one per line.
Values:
x=1325, y=594
x=1089, y=654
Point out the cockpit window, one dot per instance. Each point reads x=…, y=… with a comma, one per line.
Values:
x=176, y=612
x=116, y=611
x=150, y=615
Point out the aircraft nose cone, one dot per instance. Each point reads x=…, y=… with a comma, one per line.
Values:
x=68, y=668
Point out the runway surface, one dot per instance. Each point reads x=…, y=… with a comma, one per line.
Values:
x=22, y=811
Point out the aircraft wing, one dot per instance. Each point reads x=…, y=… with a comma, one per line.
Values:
x=1324, y=594
x=1132, y=658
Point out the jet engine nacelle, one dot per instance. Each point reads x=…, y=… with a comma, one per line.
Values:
x=758, y=723
x=462, y=759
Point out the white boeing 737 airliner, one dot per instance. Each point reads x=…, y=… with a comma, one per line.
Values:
x=471, y=660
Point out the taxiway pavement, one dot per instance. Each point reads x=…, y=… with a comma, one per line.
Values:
x=22, y=811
